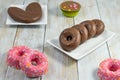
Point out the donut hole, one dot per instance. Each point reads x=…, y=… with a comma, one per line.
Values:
x=35, y=61
x=69, y=38
x=21, y=53
x=113, y=67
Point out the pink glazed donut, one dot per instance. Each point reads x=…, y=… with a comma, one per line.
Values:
x=109, y=69
x=34, y=65
x=15, y=54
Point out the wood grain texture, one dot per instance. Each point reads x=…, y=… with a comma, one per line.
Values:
x=110, y=14
x=87, y=66
x=61, y=67
x=88, y=11
x=7, y=34
x=12, y=73
x=44, y=2
x=114, y=46
x=6, y=42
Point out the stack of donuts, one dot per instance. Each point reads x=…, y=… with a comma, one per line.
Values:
x=71, y=38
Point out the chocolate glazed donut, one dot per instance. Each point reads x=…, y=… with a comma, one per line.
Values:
x=90, y=27
x=83, y=32
x=69, y=39
x=99, y=26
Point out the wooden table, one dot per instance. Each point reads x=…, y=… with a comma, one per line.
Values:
x=61, y=67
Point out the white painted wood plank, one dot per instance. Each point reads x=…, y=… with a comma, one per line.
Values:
x=7, y=34
x=114, y=46
x=61, y=67
x=88, y=11
x=11, y=73
x=87, y=67
x=31, y=36
x=88, y=3
x=110, y=14
x=44, y=2
x=6, y=42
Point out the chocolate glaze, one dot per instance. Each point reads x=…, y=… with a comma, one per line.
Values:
x=83, y=32
x=90, y=27
x=70, y=6
x=99, y=26
x=69, y=39
x=35, y=9
x=32, y=13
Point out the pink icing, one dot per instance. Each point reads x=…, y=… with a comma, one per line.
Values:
x=15, y=54
x=109, y=69
x=34, y=65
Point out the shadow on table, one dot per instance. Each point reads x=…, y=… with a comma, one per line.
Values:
x=3, y=65
x=94, y=74
x=55, y=11
x=27, y=26
x=3, y=58
x=58, y=56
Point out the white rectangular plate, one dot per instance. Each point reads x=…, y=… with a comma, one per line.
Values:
x=43, y=19
x=85, y=48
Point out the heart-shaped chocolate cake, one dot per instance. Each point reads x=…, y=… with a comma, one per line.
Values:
x=32, y=13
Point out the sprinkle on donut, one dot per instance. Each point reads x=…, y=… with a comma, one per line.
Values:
x=15, y=54
x=32, y=62
x=70, y=6
x=109, y=69
x=34, y=65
